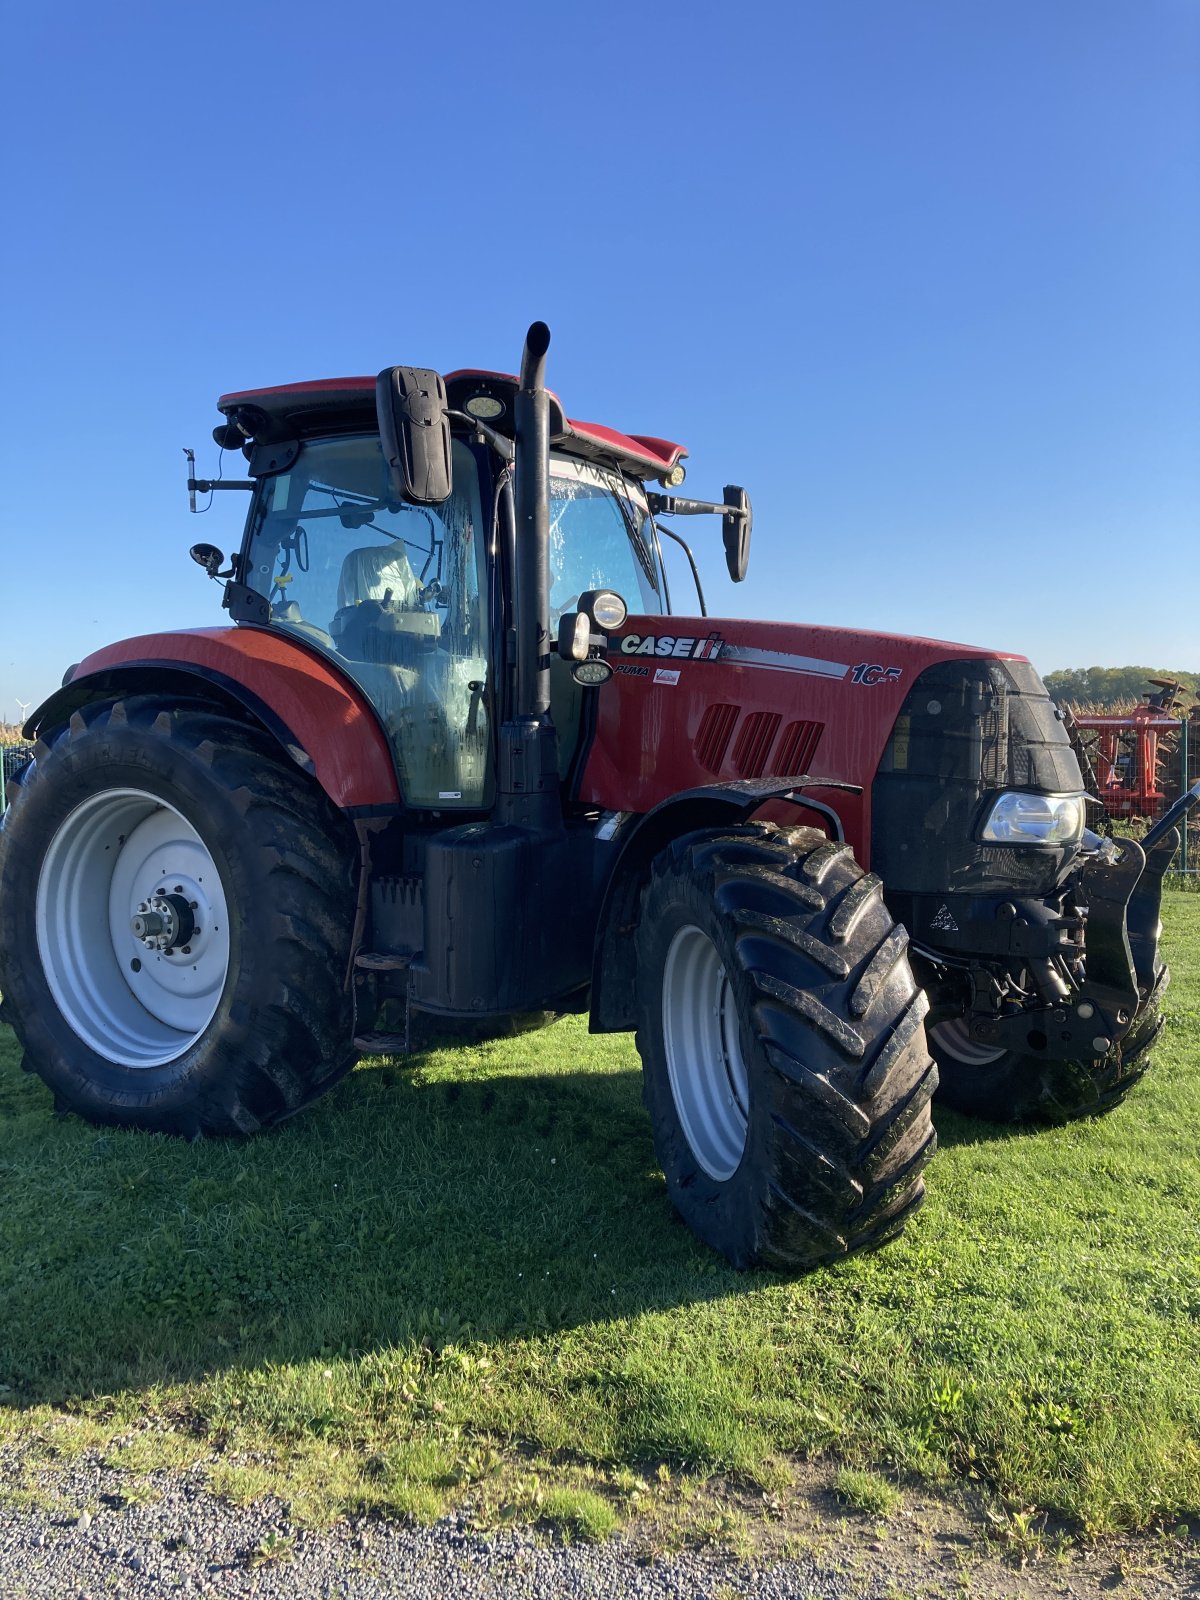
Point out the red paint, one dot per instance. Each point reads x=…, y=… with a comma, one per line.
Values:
x=315, y=386
x=644, y=750
x=325, y=713
x=656, y=455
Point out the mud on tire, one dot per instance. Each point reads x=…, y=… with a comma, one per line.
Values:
x=781, y=1032
x=280, y=1028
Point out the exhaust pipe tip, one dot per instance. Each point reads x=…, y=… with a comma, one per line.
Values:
x=533, y=357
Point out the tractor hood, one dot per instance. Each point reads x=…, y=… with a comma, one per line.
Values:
x=698, y=698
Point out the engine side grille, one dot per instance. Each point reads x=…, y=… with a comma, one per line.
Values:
x=754, y=741
x=797, y=748
x=713, y=735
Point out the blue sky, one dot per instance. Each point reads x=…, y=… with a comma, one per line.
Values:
x=921, y=275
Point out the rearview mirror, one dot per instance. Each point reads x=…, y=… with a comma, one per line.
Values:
x=414, y=428
x=736, y=525
x=208, y=557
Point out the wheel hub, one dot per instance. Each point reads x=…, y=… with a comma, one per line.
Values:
x=171, y=922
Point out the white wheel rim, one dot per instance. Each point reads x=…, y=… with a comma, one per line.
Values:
x=701, y=1033
x=131, y=1002
x=954, y=1037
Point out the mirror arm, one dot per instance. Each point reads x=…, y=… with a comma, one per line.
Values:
x=673, y=505
x=502, y=446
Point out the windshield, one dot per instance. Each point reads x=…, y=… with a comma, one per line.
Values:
x=599, y=539
x=396, y=593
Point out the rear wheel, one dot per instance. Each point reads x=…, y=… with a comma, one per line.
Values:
x=176, y=908
x=1004, y=1086
x=781, y=1034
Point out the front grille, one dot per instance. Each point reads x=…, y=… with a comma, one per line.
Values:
x=967, y=729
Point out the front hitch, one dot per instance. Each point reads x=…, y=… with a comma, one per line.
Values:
x=1117, y=889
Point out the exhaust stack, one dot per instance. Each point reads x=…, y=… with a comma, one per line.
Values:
x=531, y=492
x=528, y=775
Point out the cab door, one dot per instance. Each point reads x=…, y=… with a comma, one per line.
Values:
x=600, y=538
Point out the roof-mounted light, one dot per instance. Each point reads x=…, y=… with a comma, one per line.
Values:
x=484, y=406
x=672, y=479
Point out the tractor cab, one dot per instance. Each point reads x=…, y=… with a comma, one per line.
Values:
x=414, y=601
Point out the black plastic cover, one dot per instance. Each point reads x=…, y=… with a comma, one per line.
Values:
x=509, y=917
x=414, y=428
x=966, y=730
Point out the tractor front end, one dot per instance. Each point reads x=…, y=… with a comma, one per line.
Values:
x=1036, y=940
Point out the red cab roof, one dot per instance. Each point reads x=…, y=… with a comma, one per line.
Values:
x=341, y=404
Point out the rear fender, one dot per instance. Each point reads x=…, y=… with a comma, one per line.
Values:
x=614, y=962
x=317, y=714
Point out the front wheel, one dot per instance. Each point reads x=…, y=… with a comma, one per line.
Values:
x=176, y=909
x=781, y=1033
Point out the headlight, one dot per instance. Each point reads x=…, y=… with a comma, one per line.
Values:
x=605, y=607
x=1017, y=818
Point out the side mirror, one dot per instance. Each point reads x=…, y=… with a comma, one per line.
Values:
x=414, y=427
x=736, y=526
x=208, y=557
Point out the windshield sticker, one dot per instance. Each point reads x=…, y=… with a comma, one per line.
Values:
x=681, y=649
x=665, y=675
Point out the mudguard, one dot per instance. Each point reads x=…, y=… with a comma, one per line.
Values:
x=637, y=840
x=317, y=713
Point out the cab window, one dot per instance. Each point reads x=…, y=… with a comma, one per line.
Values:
x=596, y=540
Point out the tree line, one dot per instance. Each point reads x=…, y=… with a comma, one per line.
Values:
x=1110, y=686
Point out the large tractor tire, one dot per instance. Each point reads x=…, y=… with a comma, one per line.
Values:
x=1004, y=1086
x=176, y=911
x=781, y=1031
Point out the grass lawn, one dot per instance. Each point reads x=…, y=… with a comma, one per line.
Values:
x=463, y=1276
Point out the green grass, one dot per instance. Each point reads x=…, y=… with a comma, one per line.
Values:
x=463, y=1279
x=866, y=1492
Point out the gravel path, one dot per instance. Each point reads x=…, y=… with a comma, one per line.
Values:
x=184, y=1541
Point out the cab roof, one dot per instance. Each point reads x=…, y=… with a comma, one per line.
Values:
x=346, y=405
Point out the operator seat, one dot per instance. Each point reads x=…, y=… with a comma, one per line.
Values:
x=376, y=582
x=368, y=574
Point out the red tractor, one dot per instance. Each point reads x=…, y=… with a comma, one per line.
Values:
x=457, y=755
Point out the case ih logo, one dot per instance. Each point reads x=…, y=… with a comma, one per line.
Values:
x=634, y=644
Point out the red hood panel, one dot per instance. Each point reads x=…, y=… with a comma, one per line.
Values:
x=701, y=699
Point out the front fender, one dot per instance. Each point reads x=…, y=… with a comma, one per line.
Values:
x=614, y=961
x=317, y=713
